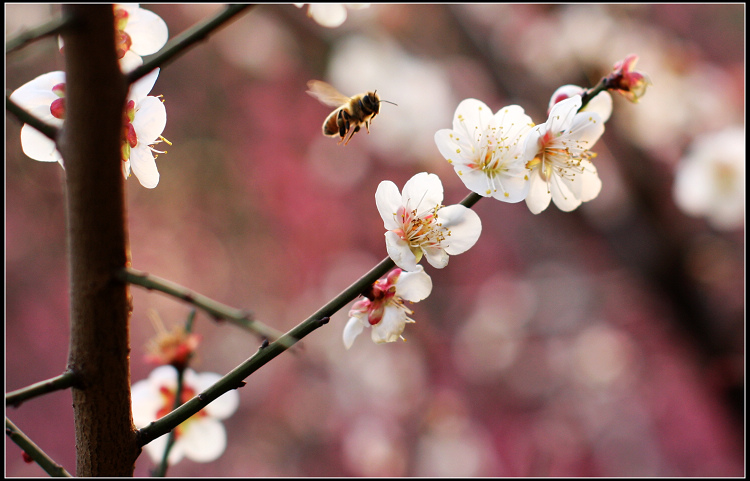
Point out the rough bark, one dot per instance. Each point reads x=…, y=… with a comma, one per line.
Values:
x=97, y=238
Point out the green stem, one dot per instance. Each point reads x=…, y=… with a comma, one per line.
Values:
x=187, y=39
x=216, y=309
x=235, y=378
x=63, y=381
x=39, y=456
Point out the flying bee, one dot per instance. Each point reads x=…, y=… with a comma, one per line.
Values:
x=350, y=113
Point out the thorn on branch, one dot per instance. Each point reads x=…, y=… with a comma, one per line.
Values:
x=264, y=344
x=323, y=321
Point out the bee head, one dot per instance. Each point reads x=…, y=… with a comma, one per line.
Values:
x=371, y=101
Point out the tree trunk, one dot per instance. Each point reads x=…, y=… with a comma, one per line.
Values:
x=97, y=238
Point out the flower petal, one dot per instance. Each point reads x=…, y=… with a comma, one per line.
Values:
x=399, y=251
x=147, y=31
x=144, y=166
x=436, y=256
x=414, y=286
x=388, y=201
x=464, y=227
x=422, y=192
x=389, y=329
x=38, y=146
x=204, y=439
x=150, y=120
x=539, y=196
x=329, y=15
x=352, y=329
x=143, y=86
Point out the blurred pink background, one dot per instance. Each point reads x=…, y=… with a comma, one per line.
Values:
x=604, y=342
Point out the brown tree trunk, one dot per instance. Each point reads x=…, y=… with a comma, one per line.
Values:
x=99, y=305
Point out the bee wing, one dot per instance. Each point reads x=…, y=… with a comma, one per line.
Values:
x=326, y=93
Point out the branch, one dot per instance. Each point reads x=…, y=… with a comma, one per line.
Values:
x=26, y=118
x=58, y=383
x=217, y=310
x=53, y=27
x=235, y=378
x=97, y=244
x=184, y=41
x=39, y=456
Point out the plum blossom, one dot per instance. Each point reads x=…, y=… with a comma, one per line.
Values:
x=138, y=32
x=330, y=15
x=601, y=103
x=623, y=79
x=44, y=98
x=383, y=309
x=202, y=438
x=486, y=150
x=418, y=224
x=143, y=123
x=710, y=179
x=144, y=120
x=557, y=154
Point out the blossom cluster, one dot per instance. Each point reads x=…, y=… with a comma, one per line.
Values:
x=502, y=155
x=138, y=32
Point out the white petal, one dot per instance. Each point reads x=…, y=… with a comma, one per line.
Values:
x=591, y=184
x=562, y=114
x=422, y=192
x=539, y=196
x=155, y=450
x=223, y=406
x=38, y=146
x=203, y=440
x=436, y=256
x=352, y=329
x=562, y=93
x=464, y=226
x=414, y=286
x=691, y=191
x=328, y=14
x=531, y=144
x=146, y=402
x=27, y=94
x=399, y=251
x=140, y=89
x=147, y=31
x=586, y=127
x=150, y=120
x=562, y=196
x=447, y=143
x=130, y=61
x=389, y=329
x=601, y=104
x=471, y=118
x=144, y=166
x=388, y=200
x=475, y=180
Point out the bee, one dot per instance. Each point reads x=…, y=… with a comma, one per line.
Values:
x=351, y=112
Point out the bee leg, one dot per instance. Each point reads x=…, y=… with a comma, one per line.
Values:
x=343, y=123
x=351, y=134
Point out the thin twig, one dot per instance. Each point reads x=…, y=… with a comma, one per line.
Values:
x=39, y=456
x=235, y=378
x=53, y=27
x=216, y=309
x=185, y=40
x=26, y=118
x=63, y=381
